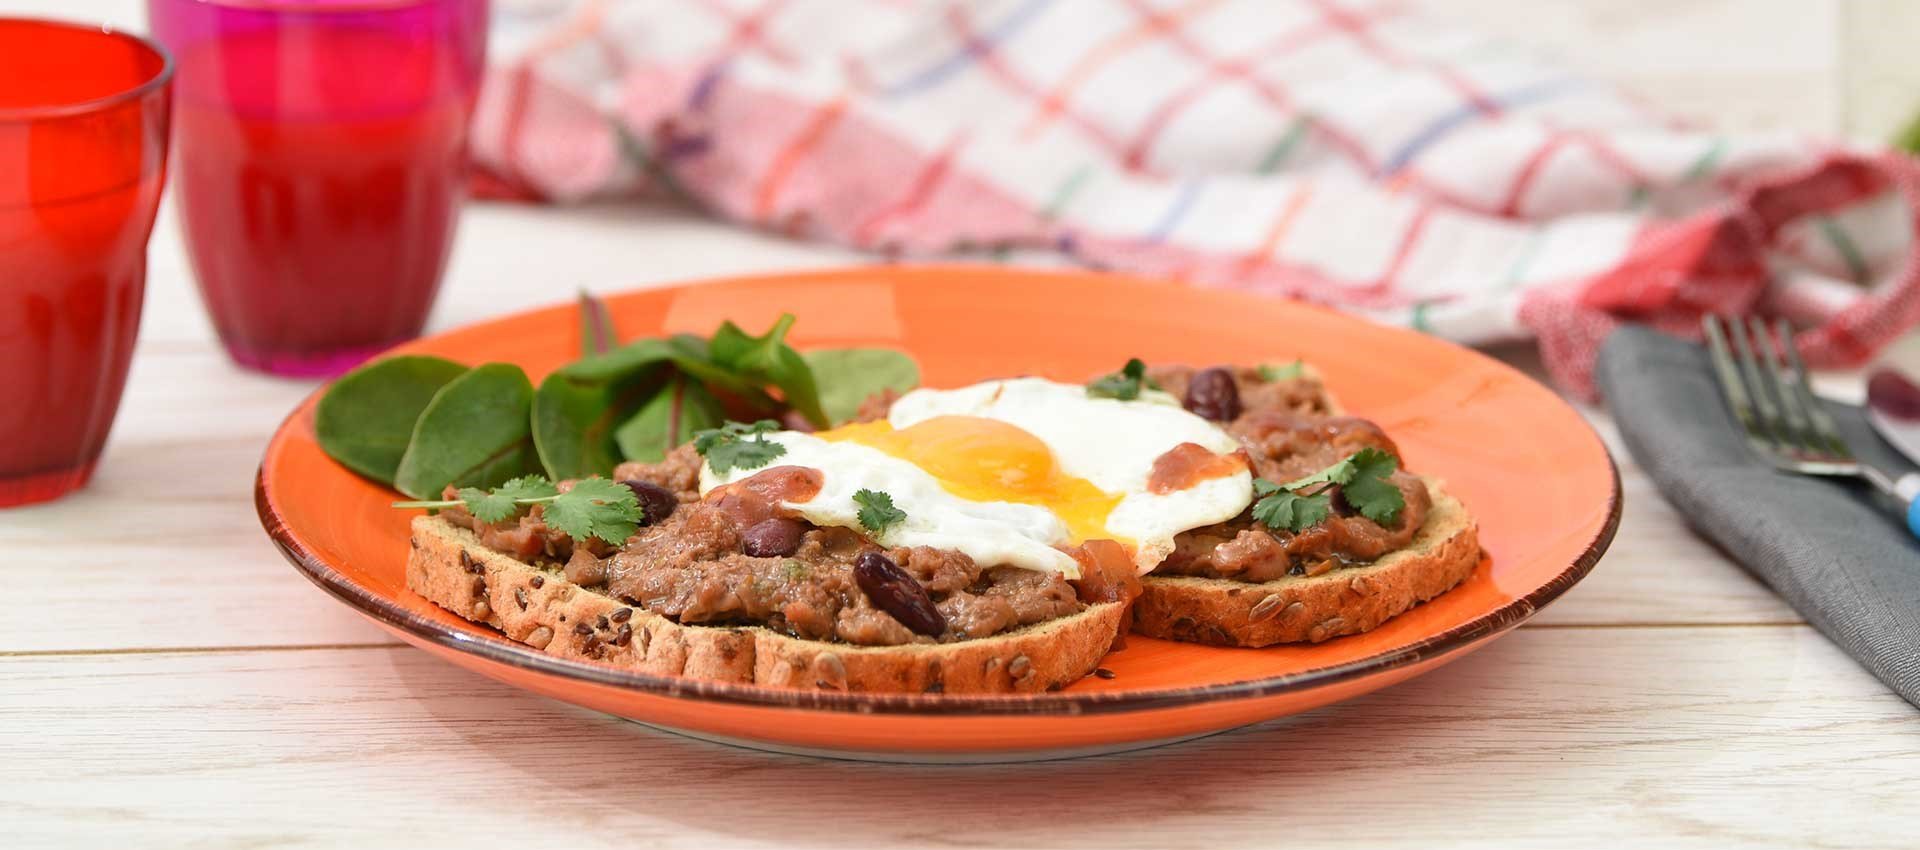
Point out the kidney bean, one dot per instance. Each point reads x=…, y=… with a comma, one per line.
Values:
x=1338, y=498
x=772, y=538
x=656, y=502
x=895, y=592
x=794, y=420
x=1891, y=393
x=1211, y=394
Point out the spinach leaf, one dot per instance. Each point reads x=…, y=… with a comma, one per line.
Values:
x=619, y=362
x=730, y=344
x=597, y=335
x=790, y=372
x=574, y=419
x=476, y=432
x=687, y=352
x=366, y=418
x=695, y=357
x=769, y=359
x=576, y=410
x=847, y=376
x=668, y=419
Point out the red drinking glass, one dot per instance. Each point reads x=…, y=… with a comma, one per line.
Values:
x=83, y=150
x=320, y=166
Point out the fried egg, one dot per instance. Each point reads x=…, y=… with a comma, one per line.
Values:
x=1014, y=472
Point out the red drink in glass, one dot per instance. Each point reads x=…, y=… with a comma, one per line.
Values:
x=83, y=146
x=320, y=166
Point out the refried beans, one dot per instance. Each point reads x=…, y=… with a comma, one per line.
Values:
x=735, y=557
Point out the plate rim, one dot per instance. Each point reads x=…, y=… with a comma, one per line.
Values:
x=504, y=651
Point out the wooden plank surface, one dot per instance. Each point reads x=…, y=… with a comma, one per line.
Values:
x=1640, y=737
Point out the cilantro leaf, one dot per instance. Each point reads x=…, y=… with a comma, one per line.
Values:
x=1124, y=385
x=877, y=511
x=1368, y=489
x=1282, y=371
x=595, y=507
x=727, y=447
x=486, y=506
x=1293, y=511
x=1304, y=502
x=529, y=487
x=1371, y=462
x=706, y=438
x=1339, y=473
x=503, y=502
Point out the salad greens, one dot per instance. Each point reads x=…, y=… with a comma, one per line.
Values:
x=597, y=335
x=848, y=376
x=474, y=433
x=575, y=420
x=366, y=419
x=668, y=419
x=423, y=424
x=768, y=359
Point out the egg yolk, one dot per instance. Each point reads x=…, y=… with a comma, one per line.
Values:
x=987, y=460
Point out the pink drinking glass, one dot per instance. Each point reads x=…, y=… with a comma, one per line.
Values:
x=320, y=166
x=83, y=151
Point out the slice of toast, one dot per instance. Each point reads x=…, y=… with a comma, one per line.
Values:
x=1344, y=601
x=540, y=608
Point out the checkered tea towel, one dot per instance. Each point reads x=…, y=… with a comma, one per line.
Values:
x=1367, y=156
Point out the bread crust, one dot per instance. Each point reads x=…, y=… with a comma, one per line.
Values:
x=540, y=608
x=1340, y=602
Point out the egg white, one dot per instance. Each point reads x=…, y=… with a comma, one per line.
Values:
x=1108, y=442
x=991, y=533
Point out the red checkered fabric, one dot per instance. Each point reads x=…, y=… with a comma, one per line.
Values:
x=1363, y=155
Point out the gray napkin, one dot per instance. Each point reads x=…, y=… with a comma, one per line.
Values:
x=1844, y=560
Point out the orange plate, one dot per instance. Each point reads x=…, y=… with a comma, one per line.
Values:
x=1537, y=478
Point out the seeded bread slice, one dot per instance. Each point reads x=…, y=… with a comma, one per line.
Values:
x=1343, y=601
x=540, y=608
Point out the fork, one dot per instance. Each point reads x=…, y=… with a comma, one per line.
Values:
x=1765, y=384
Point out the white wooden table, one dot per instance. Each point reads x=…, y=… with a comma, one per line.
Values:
x=166, y=679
